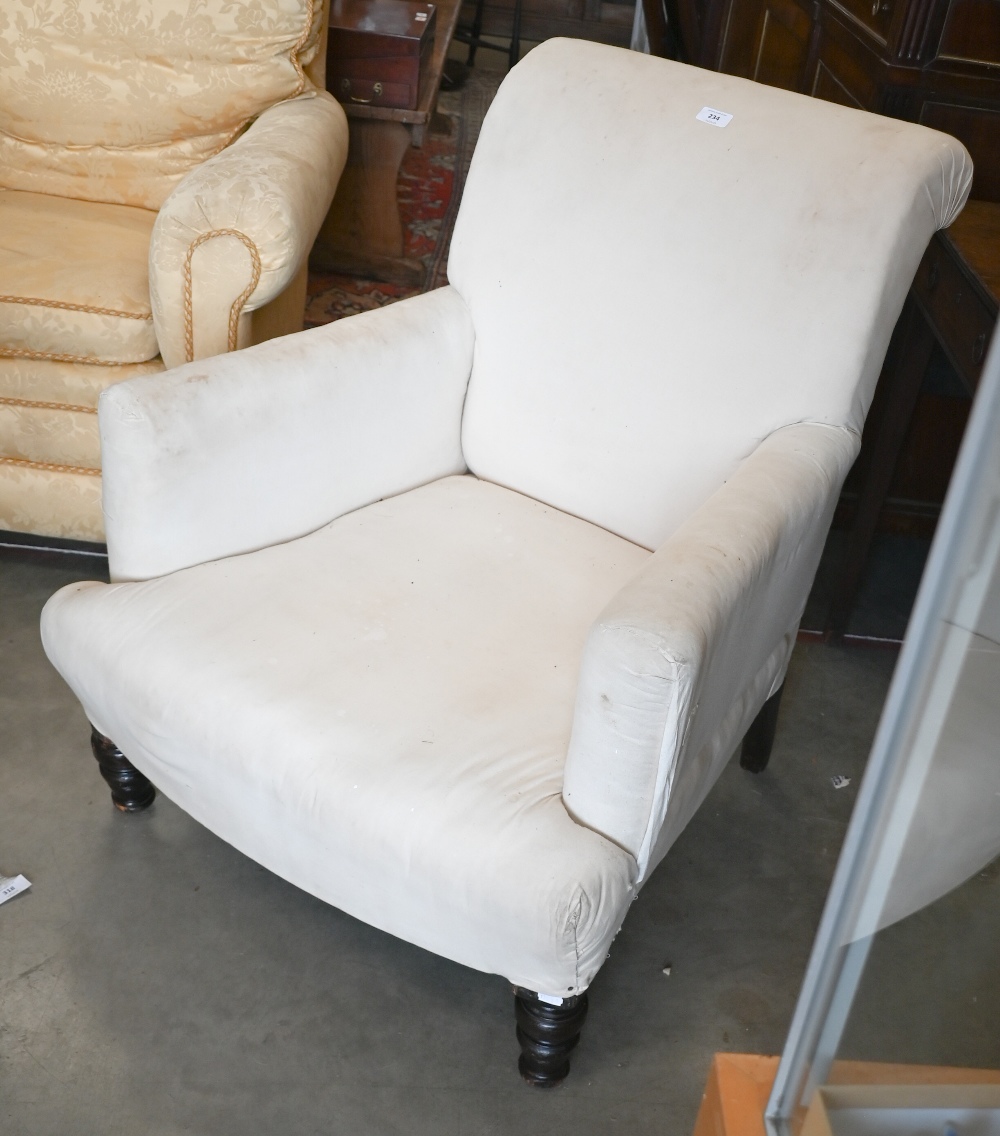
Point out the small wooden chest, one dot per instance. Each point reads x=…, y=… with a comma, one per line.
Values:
x=378, y=51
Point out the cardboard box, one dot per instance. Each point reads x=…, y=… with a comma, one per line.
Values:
x=904, y=1110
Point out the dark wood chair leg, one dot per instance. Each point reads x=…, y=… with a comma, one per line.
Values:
x=906, y=364
x=475, y=34
x=131, y=791
x=547, y=1035
x=514, y=51
x=758, y=740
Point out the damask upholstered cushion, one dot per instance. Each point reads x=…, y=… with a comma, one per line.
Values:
x=113, y=102
x=74, y=282
x=74, y=319
x=49, y=444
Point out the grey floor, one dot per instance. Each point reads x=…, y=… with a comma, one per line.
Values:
x=155, y=981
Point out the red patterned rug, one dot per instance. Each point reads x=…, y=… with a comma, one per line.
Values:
x=430, y=188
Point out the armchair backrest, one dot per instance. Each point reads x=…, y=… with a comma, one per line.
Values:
x=112, y=101
x=654, y=294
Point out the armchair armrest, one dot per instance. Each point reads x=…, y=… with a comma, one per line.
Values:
x=679, y=662
x=246, y=450
x=233, y=233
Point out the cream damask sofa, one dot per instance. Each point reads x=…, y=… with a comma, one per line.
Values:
x=164, y=169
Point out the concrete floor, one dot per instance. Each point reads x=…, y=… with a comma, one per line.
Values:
x=155, y=981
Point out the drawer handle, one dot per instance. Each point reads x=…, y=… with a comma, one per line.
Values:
x=933, y=276
x=979, y=347
x=345, y=86
x=880, y=6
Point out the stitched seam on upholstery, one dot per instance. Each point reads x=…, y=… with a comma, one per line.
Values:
x=62, y=357
x=237, y=308
x=299, y=45
x=65, y=306
x=574, y=923
x=4, y=401
x=52, y=466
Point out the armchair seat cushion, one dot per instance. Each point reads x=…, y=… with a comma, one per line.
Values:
x=74, y=281
x=374, y=730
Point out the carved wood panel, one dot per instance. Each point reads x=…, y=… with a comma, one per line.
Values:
x=767, y=41
x=971, y=32
x=782, y=45
x=843, y=73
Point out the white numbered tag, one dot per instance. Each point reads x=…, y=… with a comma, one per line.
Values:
x=11, y=886
x=714, y=117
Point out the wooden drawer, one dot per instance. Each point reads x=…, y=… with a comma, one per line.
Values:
x=378, y=51
x=962, y=317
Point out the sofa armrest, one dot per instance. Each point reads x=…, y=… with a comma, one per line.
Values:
x=235, y=231
x=679, y=662
x=246, y=450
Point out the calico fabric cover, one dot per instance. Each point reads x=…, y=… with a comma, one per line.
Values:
x=475, y=711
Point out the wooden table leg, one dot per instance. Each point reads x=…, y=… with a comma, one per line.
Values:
x=363, y=232
x=908, y=357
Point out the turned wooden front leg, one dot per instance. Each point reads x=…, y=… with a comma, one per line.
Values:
x=131, y=791
x=547, y=1034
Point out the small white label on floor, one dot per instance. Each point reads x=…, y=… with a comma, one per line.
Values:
x=714, y=117
x=9, y=887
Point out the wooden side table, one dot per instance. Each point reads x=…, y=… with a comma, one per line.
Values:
x=954, y=302
x=363, y=232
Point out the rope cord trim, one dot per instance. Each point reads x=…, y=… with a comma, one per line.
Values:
x=65, y=306
x=293, y=58
x=236, y=310
x=51, y=466
x=60, y=357
x=4, y=401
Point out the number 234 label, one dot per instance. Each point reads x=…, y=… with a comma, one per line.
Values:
x=714, y=117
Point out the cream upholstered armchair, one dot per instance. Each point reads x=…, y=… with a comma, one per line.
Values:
x=164, y=169
x=458, y=633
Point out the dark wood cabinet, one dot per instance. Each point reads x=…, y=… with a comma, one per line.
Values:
x=767, y=41
x=931, y=61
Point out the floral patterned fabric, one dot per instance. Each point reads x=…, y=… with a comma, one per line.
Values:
x=71, y=384
x=52, y=502
x=56, y=435
x=50, y=448
x=115, y=101
x=273, y=188
x=74, y=279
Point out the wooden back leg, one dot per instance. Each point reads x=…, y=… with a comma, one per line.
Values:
x=758, y=740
